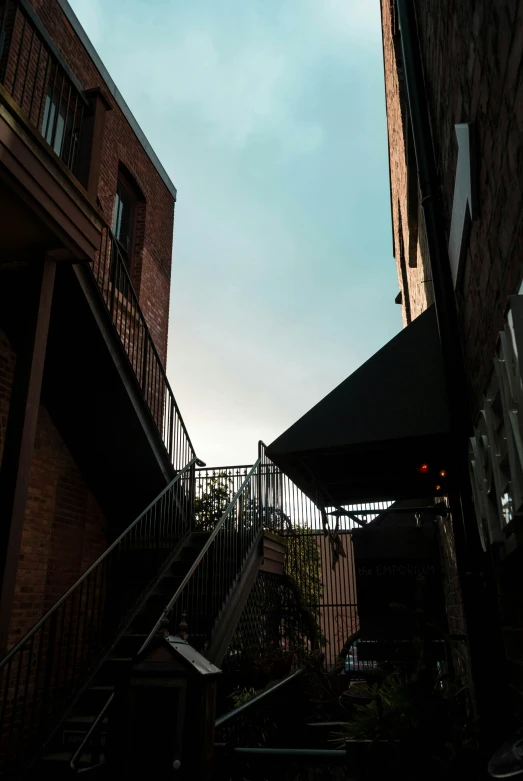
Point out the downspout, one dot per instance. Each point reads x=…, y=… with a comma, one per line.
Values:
x=444, y=298
x=474, y=567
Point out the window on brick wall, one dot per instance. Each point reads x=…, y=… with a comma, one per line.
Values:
x=123, y=221
x=128, y=228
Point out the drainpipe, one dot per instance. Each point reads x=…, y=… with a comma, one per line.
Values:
x=444, y=298
x=474, y=568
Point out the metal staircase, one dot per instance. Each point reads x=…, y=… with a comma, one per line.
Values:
x=42, y=677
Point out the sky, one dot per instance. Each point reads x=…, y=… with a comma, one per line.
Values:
x=269, y=118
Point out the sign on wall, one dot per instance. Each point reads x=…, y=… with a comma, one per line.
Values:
x=496, y=449
x=398, y=574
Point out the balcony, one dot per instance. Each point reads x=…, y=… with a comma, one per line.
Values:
x=38, y=79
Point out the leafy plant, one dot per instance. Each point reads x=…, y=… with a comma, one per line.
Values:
x=212, y=503
x=422, y=711
x=241, y=696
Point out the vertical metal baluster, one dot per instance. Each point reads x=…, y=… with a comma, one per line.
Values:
x=114, y=273
x=15, y=706
x=51, y=103
x=85, y=644
x=41, y=107
x=35, y=82
x=66, y=122
x=48, y=674
x=18, y=56
x=74, y=134
x=80, y=592
x=27, y=68
x=57, y=112
x=2, y=31
x=26, y=688
x=78, y=135
x=8, y=667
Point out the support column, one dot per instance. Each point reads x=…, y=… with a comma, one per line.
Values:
x=90, y=150
x=21, y=430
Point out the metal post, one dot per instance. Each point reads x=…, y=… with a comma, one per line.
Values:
x=20, y=432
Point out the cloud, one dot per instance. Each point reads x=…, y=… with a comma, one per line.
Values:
x=355, y=20
x=242, y=82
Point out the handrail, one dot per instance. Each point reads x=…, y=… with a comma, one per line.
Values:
x=219, y=526
x=114, y=282
x=199, y=558
x=94, y=726
x=43, y=673
x=88, y=571
x=256, y=700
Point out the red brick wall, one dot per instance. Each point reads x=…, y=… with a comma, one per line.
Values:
x=473, y=62
x=64, y=529
x=152, y=262
x=406, y=242
x=473, y=67
x=7, y=367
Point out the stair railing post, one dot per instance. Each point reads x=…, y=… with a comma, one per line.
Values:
x=192, y=495
x=260, y=500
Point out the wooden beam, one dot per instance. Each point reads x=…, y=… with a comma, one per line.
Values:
x=20, y=432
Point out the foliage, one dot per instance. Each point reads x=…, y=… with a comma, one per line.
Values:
x=210, y=505
x=241, y=696
x=422, y=710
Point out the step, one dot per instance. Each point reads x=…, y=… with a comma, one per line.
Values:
x=57, y=764
x=129, y=644
x=93, y=699
x=113, y=669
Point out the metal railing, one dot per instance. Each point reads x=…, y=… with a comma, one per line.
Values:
x=320, y=563
x=204, y=590
x=37, y=77
x=213, y=490
x=41, y=676
x=250, y=739
x=250, y=724
x=285, y=764
x=114, y=282
x=210, y=579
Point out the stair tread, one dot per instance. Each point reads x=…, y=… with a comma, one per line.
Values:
x=82, y=720
x=65, y=756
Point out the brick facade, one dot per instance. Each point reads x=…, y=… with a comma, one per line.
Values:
x=64, y=530
x=154, y=214
x=472, y=56
x=473, y=62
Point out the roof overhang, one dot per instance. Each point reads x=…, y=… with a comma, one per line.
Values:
x=367, y=438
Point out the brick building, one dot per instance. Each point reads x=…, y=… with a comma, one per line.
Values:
x=89, y=430
x=461, y=65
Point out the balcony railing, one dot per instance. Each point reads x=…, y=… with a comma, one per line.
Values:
x=37, y=77
x=113, y=280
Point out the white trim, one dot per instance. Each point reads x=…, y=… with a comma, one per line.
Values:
x=113, y=89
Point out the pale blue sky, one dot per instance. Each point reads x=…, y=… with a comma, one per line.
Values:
x=269, y=117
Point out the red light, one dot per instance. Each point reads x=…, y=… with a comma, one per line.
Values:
x=424, y=468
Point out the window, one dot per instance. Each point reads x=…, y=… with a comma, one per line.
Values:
x=123, y=221
x=62, y=119
x=54, y=120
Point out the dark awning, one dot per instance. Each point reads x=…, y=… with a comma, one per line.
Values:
x=367, y=438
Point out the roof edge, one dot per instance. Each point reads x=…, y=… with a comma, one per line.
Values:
x=115, y=92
